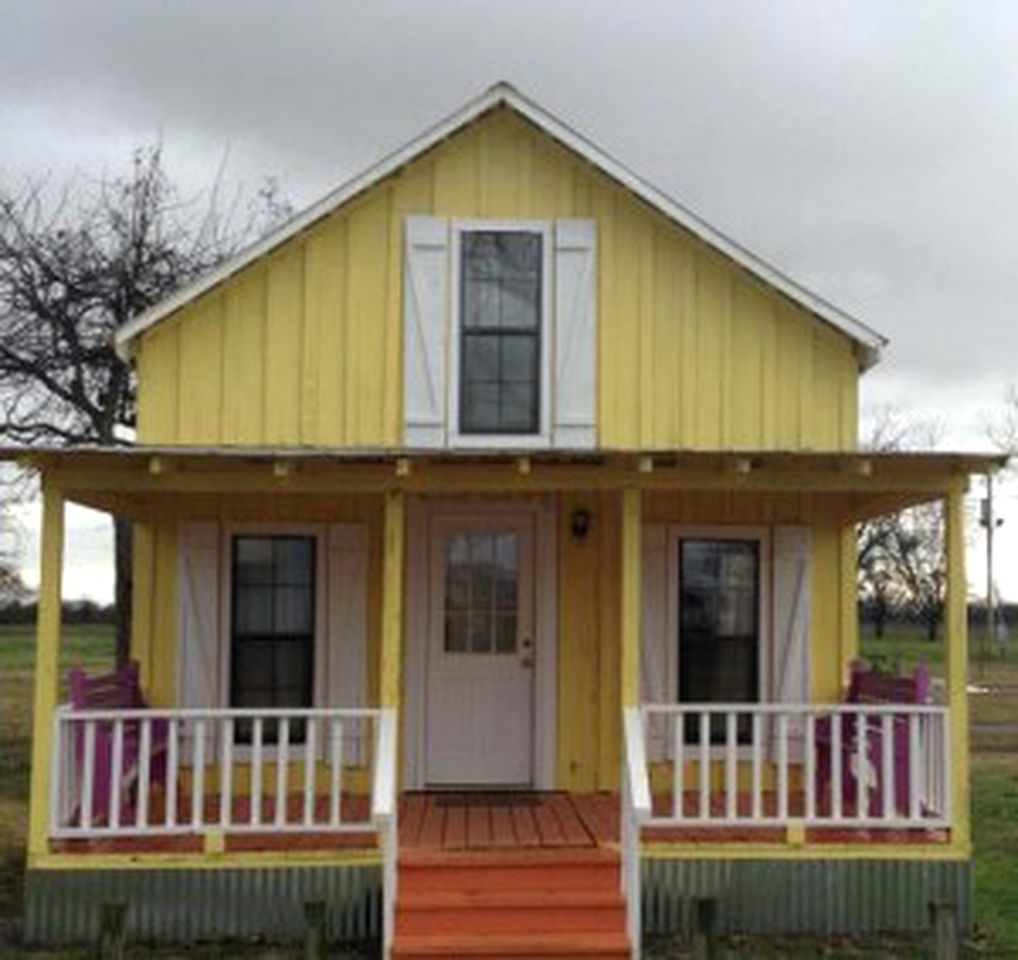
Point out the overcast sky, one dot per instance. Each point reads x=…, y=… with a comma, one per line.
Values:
x=869, y=149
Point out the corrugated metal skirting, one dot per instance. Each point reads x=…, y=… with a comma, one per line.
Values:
x=64, y=906
x=819, y=898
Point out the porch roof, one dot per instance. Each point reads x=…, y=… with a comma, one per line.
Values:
x=881, y=481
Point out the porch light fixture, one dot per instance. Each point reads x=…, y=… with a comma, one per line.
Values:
x=579, y=524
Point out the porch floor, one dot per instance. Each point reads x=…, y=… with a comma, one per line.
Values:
x=467, y=822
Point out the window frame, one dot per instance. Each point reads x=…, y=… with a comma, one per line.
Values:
x=318, y=659
x=542, y=438
x=765, y=587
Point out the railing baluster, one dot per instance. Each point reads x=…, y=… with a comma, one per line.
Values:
x=704, y=765
x=861, y=765
x=944, y=752
x=678, y=767
x=282, y=768
x=198, y=774
x=811, y=766
x=172, y=770
x=144, y=772
x=783, y=766
x=914, y=767
x=116, y=773
x=256, y=772
x=226, y=774
x=890, y=787
x=731, y=774
x=836, y=761
x=310, y=728
x=89, y=777
x=336, y=783
x=757, y=761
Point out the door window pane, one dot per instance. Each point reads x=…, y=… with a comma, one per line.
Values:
x=481, y=590
x=719, y=628
x=500, y=339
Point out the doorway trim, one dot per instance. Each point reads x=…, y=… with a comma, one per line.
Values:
x=420, y=512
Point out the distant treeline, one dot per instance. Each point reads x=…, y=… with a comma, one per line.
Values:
x=74, y=611
x=869, y=618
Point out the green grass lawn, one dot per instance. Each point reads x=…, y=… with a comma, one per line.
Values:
x=91, y=647
x=994, y=766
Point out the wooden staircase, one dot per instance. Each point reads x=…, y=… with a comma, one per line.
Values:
x=510, y=903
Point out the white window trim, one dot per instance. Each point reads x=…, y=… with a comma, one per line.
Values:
x=762, y=535
x=506, y=440
x=318, y=532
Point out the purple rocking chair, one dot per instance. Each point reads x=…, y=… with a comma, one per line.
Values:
x=120, y=690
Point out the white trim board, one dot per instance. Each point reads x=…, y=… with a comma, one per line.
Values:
x=503, y=94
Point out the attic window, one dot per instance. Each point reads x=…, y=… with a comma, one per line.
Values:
x=501, y=318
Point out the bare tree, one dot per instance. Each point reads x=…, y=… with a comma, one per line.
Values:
x=902, y=566
x=73, y=269
x=1002, y=428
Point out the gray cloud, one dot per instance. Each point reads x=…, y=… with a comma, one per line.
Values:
x=868, y=148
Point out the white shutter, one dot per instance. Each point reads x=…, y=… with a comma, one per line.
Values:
x=790, y=663
x=575, y=400
x=347, y=619
x=654, y=659
x=200, y=650
x=425, y=309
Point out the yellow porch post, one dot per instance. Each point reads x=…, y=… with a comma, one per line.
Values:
x=630, y=600
x=47, y=663
x=391, y=667
x=956, y=637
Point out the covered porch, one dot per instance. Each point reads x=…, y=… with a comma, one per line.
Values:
x=617, y=761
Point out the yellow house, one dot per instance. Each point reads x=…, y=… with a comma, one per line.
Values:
x=495, y=588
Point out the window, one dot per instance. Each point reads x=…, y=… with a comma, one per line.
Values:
x=501, y=310
x=272, y=642
x=719, y=628
x=481, y=588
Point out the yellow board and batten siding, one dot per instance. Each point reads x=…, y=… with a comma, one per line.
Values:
x=304, y=347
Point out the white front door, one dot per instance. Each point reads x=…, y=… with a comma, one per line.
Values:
x=480, y=651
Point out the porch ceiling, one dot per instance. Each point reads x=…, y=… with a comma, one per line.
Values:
x=108, y=477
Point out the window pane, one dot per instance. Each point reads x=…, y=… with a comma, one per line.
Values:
x=519, y=359
x=252, y=609
x=294, y=559
x=519, y=306
x=481, y=623
x=455, y=632
x=253, y=560
x=719, y=627
x=293, y=610
x=505, y=637
x=479, y=408
x=518, y=411
x=505, y=555
x=481, y=357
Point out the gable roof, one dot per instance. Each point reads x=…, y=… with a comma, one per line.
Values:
x=869, y=342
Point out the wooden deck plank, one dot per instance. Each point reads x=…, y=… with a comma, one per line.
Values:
x=455, y=827
x=573, y=829
x=412, y=807
x=548, y=826
x=432, y=833
x=525, y=827
x=479, y=826
x=502, y=832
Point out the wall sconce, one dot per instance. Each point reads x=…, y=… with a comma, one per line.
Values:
x=579, y=524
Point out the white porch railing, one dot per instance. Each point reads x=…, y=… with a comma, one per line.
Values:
x=635, y=811
x=874, y=766
x=166, y=772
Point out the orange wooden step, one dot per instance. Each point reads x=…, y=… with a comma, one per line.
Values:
x=509, y=911
x=534, y=946
x=527, y=873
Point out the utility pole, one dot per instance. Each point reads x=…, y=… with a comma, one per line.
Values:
x=990, y=521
